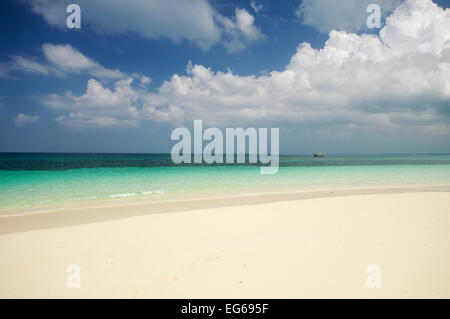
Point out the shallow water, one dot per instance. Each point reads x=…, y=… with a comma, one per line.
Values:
x=36, y=181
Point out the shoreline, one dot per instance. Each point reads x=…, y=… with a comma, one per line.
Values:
x=127, y=208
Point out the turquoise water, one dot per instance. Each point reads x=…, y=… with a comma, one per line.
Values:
x=38, y=181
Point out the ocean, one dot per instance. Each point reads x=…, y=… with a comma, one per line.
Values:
x=38, y=181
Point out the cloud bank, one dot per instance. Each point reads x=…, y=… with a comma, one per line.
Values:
x=398, y=80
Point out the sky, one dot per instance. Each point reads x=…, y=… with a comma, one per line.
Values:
x=137, y=69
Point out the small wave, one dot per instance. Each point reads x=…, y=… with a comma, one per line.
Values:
x=154, y=192
x=126, y=195
x=123, y=195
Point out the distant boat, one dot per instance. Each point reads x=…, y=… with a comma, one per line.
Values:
x=319, y=155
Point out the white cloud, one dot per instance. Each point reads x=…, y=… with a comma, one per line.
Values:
x=61, y=60
x=67, y=58
x=398, y=81
x=245, y=24
x=29, y=65
x=346, y=15
x=24, y=119
x=144, y=80
x=177, y=20
x=70, y=60
x=239, y=30
x=51, y=10
x=256, y=7
x=99, y=106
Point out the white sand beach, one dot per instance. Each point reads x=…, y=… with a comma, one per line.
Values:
x=317, y=247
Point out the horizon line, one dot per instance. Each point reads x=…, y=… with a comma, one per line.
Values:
x=224, y=154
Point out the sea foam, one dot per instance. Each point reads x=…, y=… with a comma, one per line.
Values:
x=123, y=195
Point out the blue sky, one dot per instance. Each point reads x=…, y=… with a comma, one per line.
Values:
x=130, y=82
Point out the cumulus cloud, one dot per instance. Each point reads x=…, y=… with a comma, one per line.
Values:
x=239, y=31
x=177, y=20
x=398, y=80
x=24, y=119
x=99, y=106
x=345, y=15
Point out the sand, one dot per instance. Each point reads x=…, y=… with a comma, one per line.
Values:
x=310, y=248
